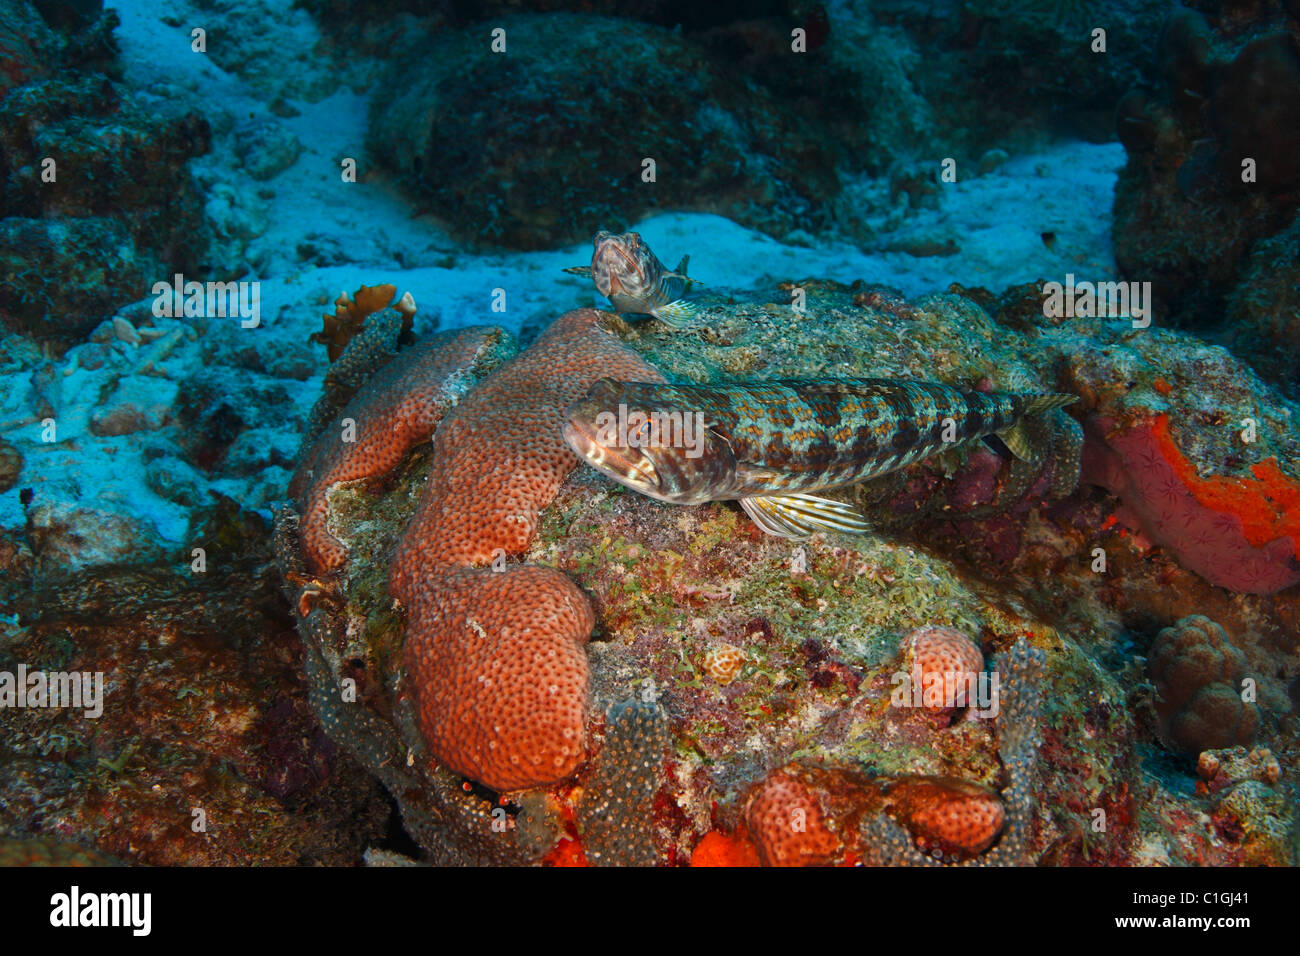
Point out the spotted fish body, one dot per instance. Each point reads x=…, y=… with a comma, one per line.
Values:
x=770, y=444
x=631, y=276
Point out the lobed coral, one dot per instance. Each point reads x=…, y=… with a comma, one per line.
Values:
x=399, y=409
x=788, y=825
x=950, y=819
x=497, y=672
x=498, y=460
x=819, y=643
x=1197, y=675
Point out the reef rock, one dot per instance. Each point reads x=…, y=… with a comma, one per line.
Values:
x=815, y=626
x=501, y=141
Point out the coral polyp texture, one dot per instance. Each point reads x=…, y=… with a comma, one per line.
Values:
x=351, y=592
x=498, y=460
x=498, y=673
x=788, y=824
x=949, y=818
x=499, y=457
x=945, y=664
x=399, y=408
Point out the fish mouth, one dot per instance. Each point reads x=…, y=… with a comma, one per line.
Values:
x=639, y=475
x=630, y=266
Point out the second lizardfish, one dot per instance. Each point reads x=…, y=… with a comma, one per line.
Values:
x=769, y=444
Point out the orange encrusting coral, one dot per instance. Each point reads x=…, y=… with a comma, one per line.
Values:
x=955, y=817
x=398, y=409
x=788, y=824
x=499, y=457
x=719, y=849
x=495, y=658
x=498, y=673
x=1268, y=505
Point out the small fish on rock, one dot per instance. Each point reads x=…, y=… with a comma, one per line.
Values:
x=768, y=444
x=631, y=276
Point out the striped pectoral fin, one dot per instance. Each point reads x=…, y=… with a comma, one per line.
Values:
x=1017, y=440
x=584, y=271
x=798, y=516
x=675, y=313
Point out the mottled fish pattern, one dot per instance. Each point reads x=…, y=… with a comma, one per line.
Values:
x=631, y=276
x=768, y=444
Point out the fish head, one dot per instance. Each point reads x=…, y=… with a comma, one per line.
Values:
x=624, y=266
x=631, y=432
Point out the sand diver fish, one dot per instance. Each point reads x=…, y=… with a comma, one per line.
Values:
x=634, y=280
x=768, y=444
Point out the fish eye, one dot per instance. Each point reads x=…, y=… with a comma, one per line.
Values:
x=644, y=433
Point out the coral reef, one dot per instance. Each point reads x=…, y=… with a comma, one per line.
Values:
x=797, y=714
x=204, y=751
x=472, y=511
x=1197, y=675
x=399, y=408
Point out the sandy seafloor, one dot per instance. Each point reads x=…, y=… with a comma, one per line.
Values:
x=997, y=221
